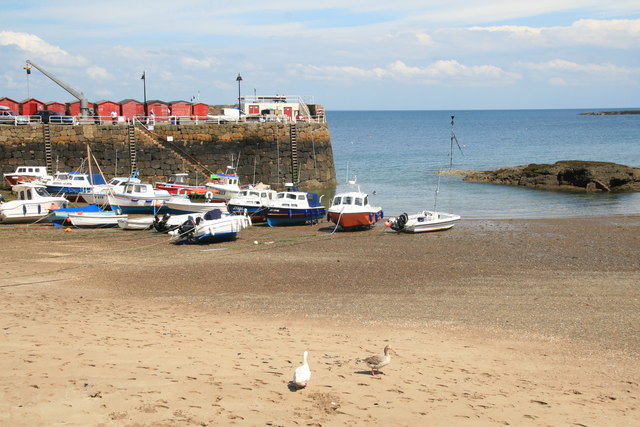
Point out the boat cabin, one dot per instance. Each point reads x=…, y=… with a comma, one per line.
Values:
x=178, y=178
x=298, y=199
x=351, y=199
x=30, y=192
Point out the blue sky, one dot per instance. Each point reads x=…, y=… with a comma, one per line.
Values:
x=346, y=55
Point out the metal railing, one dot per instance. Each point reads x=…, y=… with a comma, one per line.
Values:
x=153, y=120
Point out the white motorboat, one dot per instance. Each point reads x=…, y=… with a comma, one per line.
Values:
x=72, y=184
x=223, y=186
x=98, y=193
x=138, y=198
x=33, y=202
x=253, y=202
x=105, y=219
x=422, y=222
x=25, y=174
x=212, y=227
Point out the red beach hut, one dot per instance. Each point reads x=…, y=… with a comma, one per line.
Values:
x=160, y=109
x=200, y=111
x=56, y=106
x=30, y=106
x=131, y=108
x=180, y=108
x=105, y=108
x=8, y=102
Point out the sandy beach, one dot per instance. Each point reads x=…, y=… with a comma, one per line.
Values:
x=496, y=322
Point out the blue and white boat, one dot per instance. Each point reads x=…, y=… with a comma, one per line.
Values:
x=293, y=207
x=71, y=184
x=212, y=227
x=60, y=217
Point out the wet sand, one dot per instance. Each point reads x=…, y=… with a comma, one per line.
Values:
x=520, y=322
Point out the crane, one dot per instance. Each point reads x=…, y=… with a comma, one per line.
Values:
x=84, y=104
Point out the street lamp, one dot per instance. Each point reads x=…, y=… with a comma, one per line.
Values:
x=239, y=79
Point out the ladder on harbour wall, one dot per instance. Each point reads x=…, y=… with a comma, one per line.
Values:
x=293, y=136
x=48, y=151
x=185, y=158
x=132, y=149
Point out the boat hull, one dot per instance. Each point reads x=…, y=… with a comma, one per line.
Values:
x=198, y=191
x=257, y=213
x=20, y=211
x=95, y=220
x=279, y=217
x=354, y=220
x=180, y=208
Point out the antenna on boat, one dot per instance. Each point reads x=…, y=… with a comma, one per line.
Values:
x=453, y=138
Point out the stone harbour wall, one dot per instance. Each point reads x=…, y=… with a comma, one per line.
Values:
x=262, y=151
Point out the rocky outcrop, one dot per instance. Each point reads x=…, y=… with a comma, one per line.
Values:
x=564, y=175
x=609, y=113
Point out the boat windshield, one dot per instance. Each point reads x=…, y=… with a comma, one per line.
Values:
x=337, y=200
x=358, y=201
x=41, y=191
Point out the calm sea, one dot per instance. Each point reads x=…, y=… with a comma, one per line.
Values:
x=395, y=154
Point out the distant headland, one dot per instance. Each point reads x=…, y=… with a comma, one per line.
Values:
x=573, y=175
x=609, y=113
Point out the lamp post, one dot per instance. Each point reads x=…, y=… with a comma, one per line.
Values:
x=239, y=79
x=144, y=85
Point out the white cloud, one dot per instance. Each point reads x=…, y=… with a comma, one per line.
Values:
x=191, y=62
x=617, y=33
x=38, y=49
x=424, y=39
x=442, y=71
x=99, y=73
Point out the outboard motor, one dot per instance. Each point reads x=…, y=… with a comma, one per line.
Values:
x=187, y=229
x=399, y=223
x=161, y=224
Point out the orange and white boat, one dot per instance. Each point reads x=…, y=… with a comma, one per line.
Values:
x=352, y=211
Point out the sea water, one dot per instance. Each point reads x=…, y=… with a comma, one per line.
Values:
x=394, y=156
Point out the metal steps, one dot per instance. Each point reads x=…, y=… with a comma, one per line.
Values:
x=132, y=149
x=293, y=136
x=48, y=151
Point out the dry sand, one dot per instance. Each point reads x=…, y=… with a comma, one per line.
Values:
x=520, y=322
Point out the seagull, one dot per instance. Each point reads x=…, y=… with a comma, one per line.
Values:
x=302, y=374
x=377, y=361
